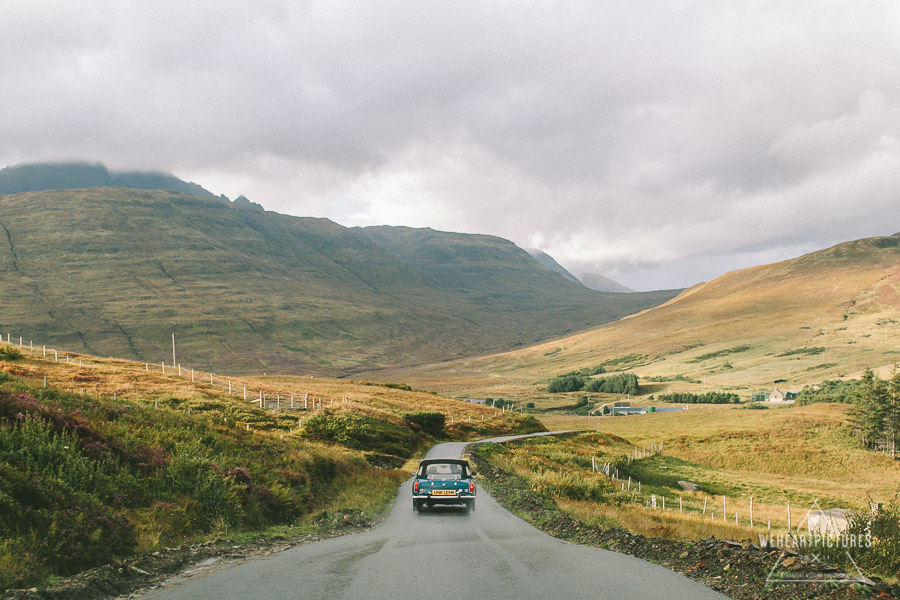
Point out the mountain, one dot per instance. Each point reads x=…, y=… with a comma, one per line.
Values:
x=600, y=283
x=115, y=271
x=79, y=175
x=823, y=315
x=549, y=262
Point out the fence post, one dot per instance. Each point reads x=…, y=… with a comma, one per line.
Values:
x=751, y=512
x=229, y=387
x=163, y=368
x=245, y=392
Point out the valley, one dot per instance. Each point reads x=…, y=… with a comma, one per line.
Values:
x=316, y=362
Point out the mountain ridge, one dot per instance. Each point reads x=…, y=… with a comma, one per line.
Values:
x=116, y=271
x=35, y=177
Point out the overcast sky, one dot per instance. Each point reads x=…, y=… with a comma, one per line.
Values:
x=658, y=143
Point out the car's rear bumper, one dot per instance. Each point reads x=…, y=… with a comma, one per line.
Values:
x=444, y=499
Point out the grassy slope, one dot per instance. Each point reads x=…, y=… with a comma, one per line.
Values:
x=779, y=458
x=114, y=272
x=743, y=330
x=110, y=460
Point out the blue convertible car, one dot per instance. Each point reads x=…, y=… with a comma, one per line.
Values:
x=443, y=481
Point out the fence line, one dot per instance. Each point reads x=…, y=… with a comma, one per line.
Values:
x=263, y=398
x=632, y=487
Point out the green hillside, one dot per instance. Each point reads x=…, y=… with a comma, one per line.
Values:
x=114, y=272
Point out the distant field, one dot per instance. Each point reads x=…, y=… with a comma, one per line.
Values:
x=770, y=465
x=778, y=454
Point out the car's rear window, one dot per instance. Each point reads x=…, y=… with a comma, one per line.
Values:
x=442, y=471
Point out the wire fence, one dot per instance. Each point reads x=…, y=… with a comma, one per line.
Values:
x=265, y=399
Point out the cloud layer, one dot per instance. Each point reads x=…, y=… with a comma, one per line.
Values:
x=661, y=144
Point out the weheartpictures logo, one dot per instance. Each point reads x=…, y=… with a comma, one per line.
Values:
x=818, y=536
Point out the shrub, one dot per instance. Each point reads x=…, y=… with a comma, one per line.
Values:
x=361, y=432
x=10, y=354
x=215, y=494
x=431, y=423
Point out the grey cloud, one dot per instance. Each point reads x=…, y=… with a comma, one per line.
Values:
x=657, y=142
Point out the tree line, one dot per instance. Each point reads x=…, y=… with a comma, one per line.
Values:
x=707, y=398
x=622, y=383
x=876, y=411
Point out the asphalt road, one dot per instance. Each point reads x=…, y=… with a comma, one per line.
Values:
x=442, y=553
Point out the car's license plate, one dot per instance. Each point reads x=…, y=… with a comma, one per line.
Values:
x=443, y=493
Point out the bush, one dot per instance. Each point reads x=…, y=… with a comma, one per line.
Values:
x=431, y=423
x=10, y=354
x=215, y=495
x=361, y=432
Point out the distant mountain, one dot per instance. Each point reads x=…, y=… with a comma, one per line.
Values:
x=823, y=315
x=78, y=175
x=549, y=262
x=598, y=282
x=115, y=271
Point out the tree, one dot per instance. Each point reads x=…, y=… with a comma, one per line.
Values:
x=892, y=413
x=870, y=409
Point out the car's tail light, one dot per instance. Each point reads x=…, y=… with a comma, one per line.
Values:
x=471, y=487
x=416, y=486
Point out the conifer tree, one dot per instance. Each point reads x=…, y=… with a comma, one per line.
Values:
x=870, y=409
x=892, y=413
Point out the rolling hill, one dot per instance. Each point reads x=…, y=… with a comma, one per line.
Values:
x=115, y=271
x=823, y=315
